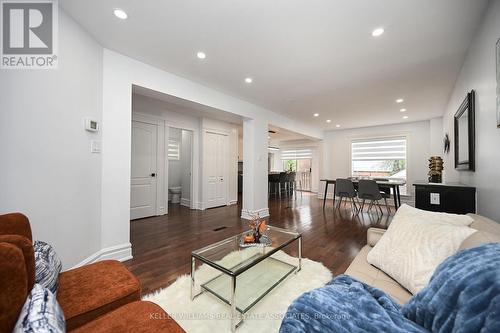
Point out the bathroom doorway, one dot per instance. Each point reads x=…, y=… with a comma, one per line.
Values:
x=179, y=156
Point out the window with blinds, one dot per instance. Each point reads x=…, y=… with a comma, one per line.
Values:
x=382, y=158
x=174, y=150
x=296, y=154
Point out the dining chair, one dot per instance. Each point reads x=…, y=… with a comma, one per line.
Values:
x=369, y=190
x=282, y=182
x=273, y=179
x=344, y=188
x=294, y=182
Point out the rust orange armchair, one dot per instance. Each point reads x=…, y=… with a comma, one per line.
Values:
x=99, y=297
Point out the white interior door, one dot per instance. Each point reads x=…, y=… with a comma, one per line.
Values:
x=143, y=178
x=216, y=175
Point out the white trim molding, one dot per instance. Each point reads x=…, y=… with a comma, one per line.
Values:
x=186, y=202
x=120, y=252
x=232, y=202
x=247, y=214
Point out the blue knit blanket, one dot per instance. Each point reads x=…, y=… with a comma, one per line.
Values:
x=346, y=305
x=462, y=296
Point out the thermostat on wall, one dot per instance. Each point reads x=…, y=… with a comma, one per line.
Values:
x=91, y=125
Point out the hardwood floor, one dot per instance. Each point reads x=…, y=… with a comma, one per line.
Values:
x=162, y=245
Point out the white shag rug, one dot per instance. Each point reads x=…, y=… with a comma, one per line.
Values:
x=206, y=313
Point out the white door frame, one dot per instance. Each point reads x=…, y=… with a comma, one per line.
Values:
x=226, y=171
x=162, y=157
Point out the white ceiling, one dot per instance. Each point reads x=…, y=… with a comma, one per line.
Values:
x=175, y=104
x=283, y=136
x=304, y=56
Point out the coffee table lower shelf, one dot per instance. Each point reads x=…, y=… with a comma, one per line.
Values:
x=252, y=285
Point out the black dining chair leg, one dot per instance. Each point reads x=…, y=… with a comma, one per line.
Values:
x=340, y=203
x=370, y=206
x=353, y=205
x=380, y=208
x=387, y=206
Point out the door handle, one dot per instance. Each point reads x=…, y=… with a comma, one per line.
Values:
x=153, y=174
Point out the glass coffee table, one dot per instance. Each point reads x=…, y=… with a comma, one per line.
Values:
x=246, y=274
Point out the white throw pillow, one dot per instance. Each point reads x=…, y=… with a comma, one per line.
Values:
x=415, y=244
x=408, y=212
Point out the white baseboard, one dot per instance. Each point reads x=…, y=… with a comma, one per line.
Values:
x=247, y=214
x=185, y=202
x=120, y=252
x=232, y=202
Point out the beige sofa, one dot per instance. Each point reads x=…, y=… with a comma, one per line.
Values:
x=488, y=231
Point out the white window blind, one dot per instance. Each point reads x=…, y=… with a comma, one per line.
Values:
x=296, y=154
x=379, y=149
x=173, y=150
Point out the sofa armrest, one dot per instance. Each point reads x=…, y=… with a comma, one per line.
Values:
x=373, y=235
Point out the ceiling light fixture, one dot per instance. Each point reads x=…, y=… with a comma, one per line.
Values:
x=405, y=117
x=337, y=125
x=316, y=114
x=402, y=110
x=328, y=121
x=120, y=14
x=248, y=80
x=400, y=100
x=378, y=32
x=201, y=55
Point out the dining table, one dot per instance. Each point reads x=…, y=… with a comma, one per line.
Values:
x=383, y=183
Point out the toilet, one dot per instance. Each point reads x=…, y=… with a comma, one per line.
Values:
x=175, y=193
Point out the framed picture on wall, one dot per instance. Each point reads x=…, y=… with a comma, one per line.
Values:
x=498, y=83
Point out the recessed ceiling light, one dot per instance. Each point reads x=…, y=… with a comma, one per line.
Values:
x=328, y=121
x=120, y=13
x=268, y=137
x=316, y=114
x=402, y=110
x=337, y=125
x=378, y=32
x=405, y=117
x=201, y=55
x=400, y=100
x=248, y=80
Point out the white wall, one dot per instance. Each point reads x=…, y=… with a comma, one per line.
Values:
x=47, y=171
x=478, y=73
x=337, y=149
x=436, y=137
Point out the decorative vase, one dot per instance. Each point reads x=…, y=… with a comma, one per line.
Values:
x=435, y=169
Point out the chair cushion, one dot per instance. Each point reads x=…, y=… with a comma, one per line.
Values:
x=136, y=317
x=13, y=282
x=48, y=266
x=41, y=313
x=90, y=291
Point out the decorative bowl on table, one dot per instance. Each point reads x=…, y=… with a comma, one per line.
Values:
x=258, y=234
x=264, y=240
